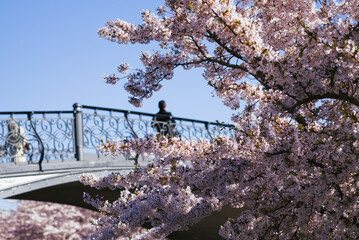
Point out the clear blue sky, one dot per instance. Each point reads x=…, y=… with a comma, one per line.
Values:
x=52, y=57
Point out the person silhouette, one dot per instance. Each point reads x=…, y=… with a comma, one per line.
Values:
x=163, y=121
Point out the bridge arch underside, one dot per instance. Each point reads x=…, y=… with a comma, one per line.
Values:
x=71, y=193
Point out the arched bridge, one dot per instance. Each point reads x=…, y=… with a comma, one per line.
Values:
x=43, y=153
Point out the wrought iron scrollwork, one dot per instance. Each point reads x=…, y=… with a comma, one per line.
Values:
x=109, y=126
x=35, y=138
x=105, y=127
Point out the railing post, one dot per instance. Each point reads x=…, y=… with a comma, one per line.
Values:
x=78, y=132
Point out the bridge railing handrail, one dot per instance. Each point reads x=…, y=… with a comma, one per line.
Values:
x=35, y=112
x=152, y=115
x=113, y=110
x=68, y=134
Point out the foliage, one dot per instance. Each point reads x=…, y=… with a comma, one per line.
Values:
x=42, y=220
x=293, y=164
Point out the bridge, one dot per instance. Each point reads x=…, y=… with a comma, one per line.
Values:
x=43, y=153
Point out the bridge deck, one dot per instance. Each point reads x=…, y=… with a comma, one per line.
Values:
x=20, y=179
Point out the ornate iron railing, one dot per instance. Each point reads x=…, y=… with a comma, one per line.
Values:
x=34, y=137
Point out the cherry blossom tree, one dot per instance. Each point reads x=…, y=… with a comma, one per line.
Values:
x=43, y=220
x=293, y=165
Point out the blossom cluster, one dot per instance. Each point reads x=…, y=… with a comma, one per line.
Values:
x=292, y=165
x=42, y=220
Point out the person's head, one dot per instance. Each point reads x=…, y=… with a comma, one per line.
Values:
x=162, y=105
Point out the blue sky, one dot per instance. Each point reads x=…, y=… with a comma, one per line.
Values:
x=52, y=57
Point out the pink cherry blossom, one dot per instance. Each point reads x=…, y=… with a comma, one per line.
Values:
x=42, y=220
x=292, y=165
